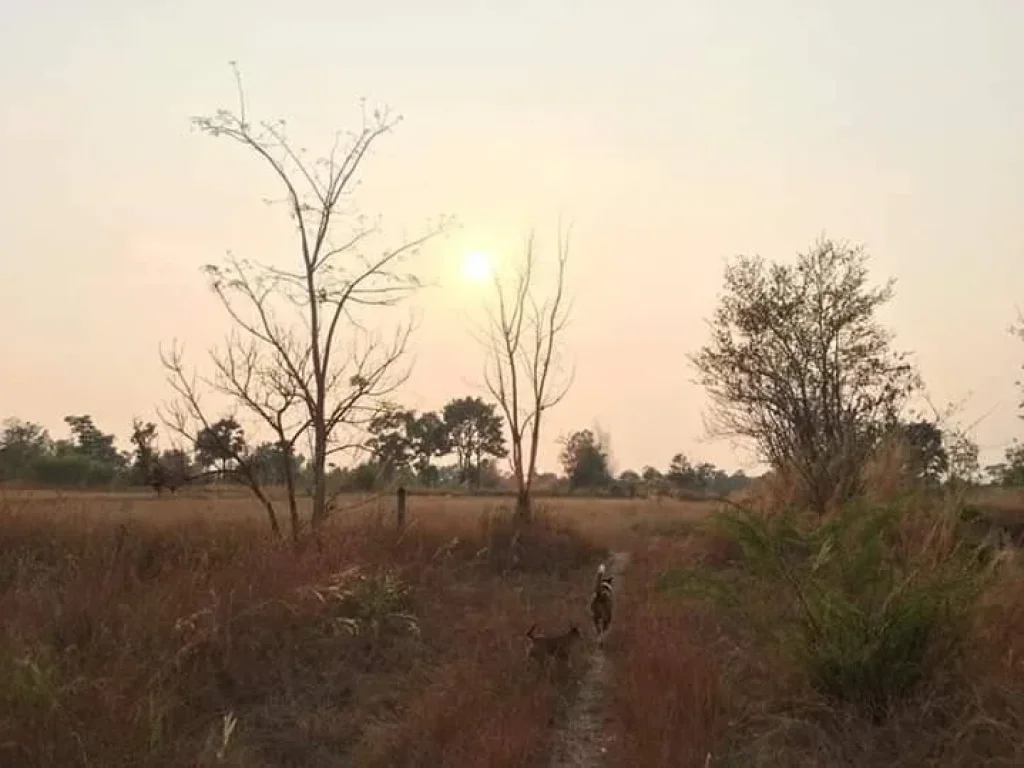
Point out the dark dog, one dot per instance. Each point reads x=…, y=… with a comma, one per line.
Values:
x=601, y=603
x=557, y=648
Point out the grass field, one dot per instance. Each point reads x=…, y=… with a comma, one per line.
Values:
x=174, y=631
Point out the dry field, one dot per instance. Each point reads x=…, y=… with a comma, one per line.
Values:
x=174, y=631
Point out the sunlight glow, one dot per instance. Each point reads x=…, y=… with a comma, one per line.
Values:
x=477, y=267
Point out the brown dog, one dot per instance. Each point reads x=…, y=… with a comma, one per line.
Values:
x=601, y=603
x=558, y=648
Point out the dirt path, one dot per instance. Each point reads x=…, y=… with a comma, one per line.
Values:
x=579, y=740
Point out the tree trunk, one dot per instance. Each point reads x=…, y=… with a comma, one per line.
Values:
x=293, y=507
x=319, y=513
x=524, y=507
x=268, y=505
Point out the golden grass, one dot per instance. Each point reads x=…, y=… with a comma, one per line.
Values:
x=694, y=679
x=173, y=631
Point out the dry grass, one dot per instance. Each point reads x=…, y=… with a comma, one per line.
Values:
x=155, y=632
x=174, y=632
x=709, y=673
x=669, y=700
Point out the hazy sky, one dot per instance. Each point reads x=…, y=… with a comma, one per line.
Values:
x=673, y=135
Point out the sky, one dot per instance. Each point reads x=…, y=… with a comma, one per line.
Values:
x=671, y=135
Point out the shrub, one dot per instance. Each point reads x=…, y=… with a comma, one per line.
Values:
x=869, y=602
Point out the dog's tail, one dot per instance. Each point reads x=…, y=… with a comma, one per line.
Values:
x=600, y=576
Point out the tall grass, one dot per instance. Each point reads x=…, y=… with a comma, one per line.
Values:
x=878, y=635
x=210, y=643
x=874, y=599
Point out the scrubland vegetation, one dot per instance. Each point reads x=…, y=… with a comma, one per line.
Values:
x=151, y=637
x=860, y=604
x=152, y=631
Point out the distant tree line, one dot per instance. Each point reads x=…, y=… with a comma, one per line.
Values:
x=405, y=447
x=401, y=446
x=459, y=446
x=586, y=463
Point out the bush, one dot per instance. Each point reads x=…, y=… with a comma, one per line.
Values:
x=73, y=470
x=872, y=600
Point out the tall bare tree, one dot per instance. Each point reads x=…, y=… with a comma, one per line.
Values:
x=301, y=360
x=523, y=371
x=798, y=364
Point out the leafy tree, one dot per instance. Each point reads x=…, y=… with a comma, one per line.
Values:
x=389, y=440
x=723, y=483
x=362, y=478
x=22, y=445
x=964, y=464
x=223, y=443
x=474, y=431
x=681, y=473
x=90, y=442
x=269, y=463
x=704, y=475
x=929, y=458
x=700, y=478
x=74, y=469
x=799, y=365
x=1010, y=473
x=585, y=461
x=630, y=482
x=173, y=469
x=428, y=439
x=145, y=456
x=401, y=440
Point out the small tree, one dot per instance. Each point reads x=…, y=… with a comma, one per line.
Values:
x=585, y=460
x=221, y=444
x=474, y=431
x=523, y=368
x=798, y=364
x=1010, y=472
x=94, y=444
x=681, y=473
x=428, y=439
x=175, y=470
x=630, y=482
x=389, y=441
x=145, y=455
x=303, y=362
x=929, y=457
x=23, y=445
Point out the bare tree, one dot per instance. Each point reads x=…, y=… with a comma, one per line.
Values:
x=523, y=368
x=798, y=365
x=301, y=360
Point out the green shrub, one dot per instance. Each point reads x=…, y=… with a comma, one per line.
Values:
x=870, y=602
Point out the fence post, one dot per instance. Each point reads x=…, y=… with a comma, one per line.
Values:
x=401, y=506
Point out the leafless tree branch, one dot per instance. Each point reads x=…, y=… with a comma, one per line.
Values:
x=523, y=341
x=301, y=359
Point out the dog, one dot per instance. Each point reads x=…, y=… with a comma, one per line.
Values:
x=601, y=603
x=545, y=649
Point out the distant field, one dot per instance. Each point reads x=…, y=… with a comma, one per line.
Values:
x=602, y=518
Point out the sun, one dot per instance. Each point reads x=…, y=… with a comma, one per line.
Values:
x=477, y=267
